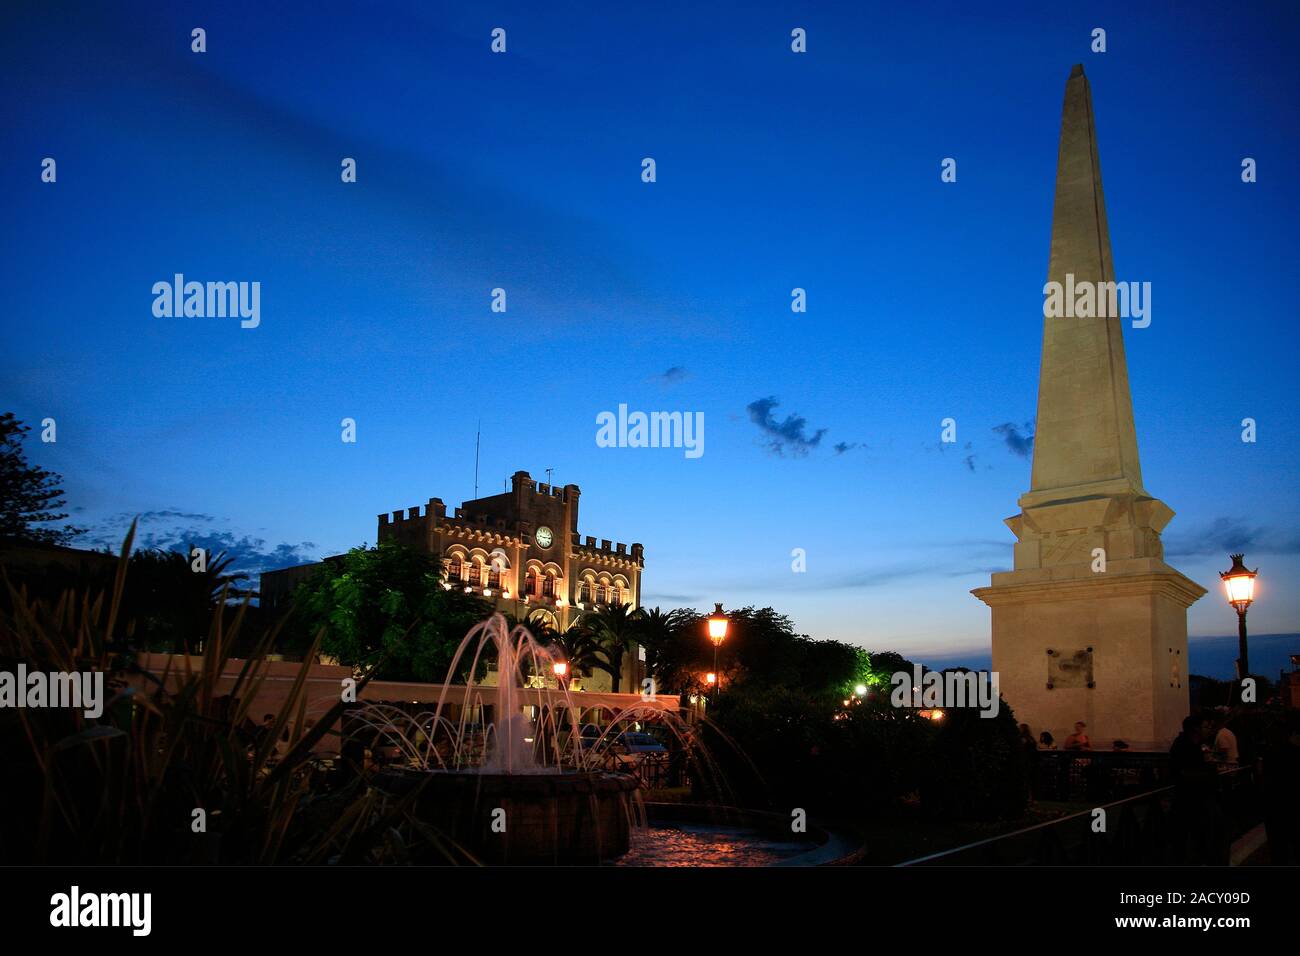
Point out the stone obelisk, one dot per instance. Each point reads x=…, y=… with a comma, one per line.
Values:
x=1092, y=624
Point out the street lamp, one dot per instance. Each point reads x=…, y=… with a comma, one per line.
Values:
x=710, y=678
x=560, y=669
x=1239, y=582
x=717, y=622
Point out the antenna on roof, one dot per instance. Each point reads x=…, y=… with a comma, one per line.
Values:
x=548, y=475
x=477, y=432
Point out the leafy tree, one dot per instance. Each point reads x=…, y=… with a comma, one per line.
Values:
x=28, y=495
x=677, y=656
x=387, y=602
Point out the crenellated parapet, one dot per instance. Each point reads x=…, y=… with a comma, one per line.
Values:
x=615, y=554
x=434, y=509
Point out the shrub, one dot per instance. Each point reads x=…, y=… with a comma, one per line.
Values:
x=976, y=767
x=122, y=788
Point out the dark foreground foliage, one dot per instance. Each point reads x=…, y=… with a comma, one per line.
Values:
x=131, y=785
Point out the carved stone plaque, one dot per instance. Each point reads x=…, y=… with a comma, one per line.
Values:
x=1069, y=668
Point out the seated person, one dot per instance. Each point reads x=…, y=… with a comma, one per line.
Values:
x=1078, y=740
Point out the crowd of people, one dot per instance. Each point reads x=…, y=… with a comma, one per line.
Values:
x=1264, y=744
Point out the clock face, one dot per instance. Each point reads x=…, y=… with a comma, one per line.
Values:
x=543, y=537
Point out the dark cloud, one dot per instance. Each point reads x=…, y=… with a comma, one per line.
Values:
x=969, y=461
x=1230, y=535
x=173, y=530
x=785, y=436
x=1019, y=438
x=842, y=446
x=679, y=600
x=173, y=515
x=672, y=376
x=975, y=572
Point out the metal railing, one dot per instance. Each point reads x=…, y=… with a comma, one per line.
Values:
x=1170, y=825
x=1096, y=776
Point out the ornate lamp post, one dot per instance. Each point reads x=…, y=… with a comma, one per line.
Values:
x=560, y=669
x=1239, y=582
x=717, y=622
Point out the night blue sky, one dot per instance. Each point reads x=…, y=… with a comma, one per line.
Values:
x=775, y=170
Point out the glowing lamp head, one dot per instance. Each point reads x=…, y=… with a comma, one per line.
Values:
x=860, y=690
x=718, y=622
x=1239, y=582
x=560, y=668
x=710, y=678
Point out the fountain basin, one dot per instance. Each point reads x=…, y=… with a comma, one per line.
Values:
x=683, y=834
x=523, y=818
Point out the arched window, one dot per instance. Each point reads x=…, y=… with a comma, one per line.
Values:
x=548, y=586
x=584, y=592
x=530, y=582
x=453, y=569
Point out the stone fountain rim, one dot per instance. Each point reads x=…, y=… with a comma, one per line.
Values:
x=510, y=784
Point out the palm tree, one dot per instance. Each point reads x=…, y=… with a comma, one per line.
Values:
x=580, y=648
x=171, y=602
x=539, y=627
x=614, y=628
x=657, y=631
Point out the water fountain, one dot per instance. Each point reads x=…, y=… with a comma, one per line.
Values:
x=505, y=788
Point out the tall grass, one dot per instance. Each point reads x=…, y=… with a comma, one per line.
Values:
x=125, y=787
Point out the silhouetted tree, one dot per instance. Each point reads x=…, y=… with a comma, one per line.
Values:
x=658, y=631
x=28, y=495
x=170, y=604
